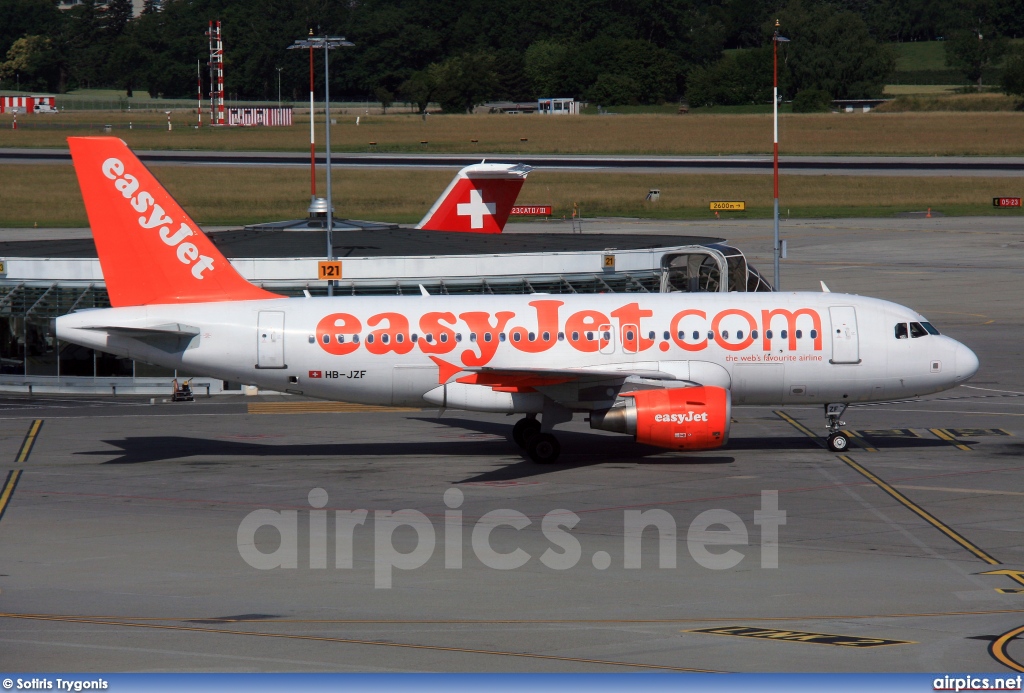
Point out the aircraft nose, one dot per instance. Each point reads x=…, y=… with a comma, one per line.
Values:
x=966, y=363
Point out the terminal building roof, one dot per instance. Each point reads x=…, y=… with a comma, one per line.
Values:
x=379, y=243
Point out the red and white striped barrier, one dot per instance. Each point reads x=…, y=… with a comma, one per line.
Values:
x=28, y=104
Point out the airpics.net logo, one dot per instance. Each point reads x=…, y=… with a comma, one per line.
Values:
x=707, y=535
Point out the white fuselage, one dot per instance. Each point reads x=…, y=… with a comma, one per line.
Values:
x=767, y=348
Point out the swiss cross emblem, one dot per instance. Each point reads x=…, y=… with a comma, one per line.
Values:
x=316, y=374
x=475, y=209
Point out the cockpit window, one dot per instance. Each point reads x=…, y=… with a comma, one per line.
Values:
x=928, y=326
x=917, y=330
x=901, y=330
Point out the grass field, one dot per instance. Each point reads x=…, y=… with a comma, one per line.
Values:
x=939, y=102
x=999, y=133
x=48, y=195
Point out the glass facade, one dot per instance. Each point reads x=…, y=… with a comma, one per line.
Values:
x=29, y=347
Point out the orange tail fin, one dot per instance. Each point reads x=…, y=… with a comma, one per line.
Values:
x=150, y=250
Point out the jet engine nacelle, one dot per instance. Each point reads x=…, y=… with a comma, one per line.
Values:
x=681, y=418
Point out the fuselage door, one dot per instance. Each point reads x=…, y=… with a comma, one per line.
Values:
x=270, y=340
x=845, y=342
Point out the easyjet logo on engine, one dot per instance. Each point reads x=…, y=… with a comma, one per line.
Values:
x=681, y=418
x=142, y=201
x=477, y=335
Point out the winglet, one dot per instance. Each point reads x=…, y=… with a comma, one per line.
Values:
x=150, y=251
x=478, y=200
x=825, y=289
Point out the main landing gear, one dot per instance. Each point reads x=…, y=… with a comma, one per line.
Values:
x=837, y=440
x=543, y=448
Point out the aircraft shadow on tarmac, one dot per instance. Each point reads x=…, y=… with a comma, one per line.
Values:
x=578, y=449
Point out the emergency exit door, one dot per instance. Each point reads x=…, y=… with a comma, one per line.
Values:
x=845, y=342
x=270, y=340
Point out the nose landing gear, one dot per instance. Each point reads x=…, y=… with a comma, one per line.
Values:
x=837, y=440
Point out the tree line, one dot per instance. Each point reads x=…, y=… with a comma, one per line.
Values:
x=460, y=53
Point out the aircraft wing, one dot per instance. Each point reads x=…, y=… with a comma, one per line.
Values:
x=574, y=388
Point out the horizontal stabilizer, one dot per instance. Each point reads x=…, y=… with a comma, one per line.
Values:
x=170, y=338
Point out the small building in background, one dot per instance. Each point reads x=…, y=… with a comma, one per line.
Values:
x=558, y=107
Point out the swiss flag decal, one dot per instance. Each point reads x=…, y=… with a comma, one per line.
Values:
x=316, y=374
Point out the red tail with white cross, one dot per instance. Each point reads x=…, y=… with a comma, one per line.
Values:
x=479, y=200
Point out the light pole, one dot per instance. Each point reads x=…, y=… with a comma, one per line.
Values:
x=279, y=86
x=327, y=43
x=777, y=248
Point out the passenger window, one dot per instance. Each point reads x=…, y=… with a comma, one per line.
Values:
x=531, y=336
x=768, y=334
x=501, y=336
x=901, y=330
x=753, y=334
x=575, y=336
x=711, y=335
x=369, y=339
x=561, y=336
x=415, y=337
x=650, y=335
x=666, y=335
x=917, y=330
x=355, y=339
x=340, y=338
x=931, y=329
x=799, y=334
x=629, y=335
x=696, y=335
x=590, y=336
x=739, y=334
x=472, y=336
x=784, y=334
x=384, y=338
x=814, y=334
x=458, y=337
x=725, y=334
x=327, y=339
x=487, y=336
x=546, y=336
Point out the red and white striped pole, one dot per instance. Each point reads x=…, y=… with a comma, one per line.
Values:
x=199, y=94
x=220, y=76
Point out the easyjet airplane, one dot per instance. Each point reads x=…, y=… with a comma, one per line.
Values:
x=664, y=368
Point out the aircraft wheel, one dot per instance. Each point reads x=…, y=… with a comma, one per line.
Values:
x=838, y=442
x=525, y=429
x=543, y=448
